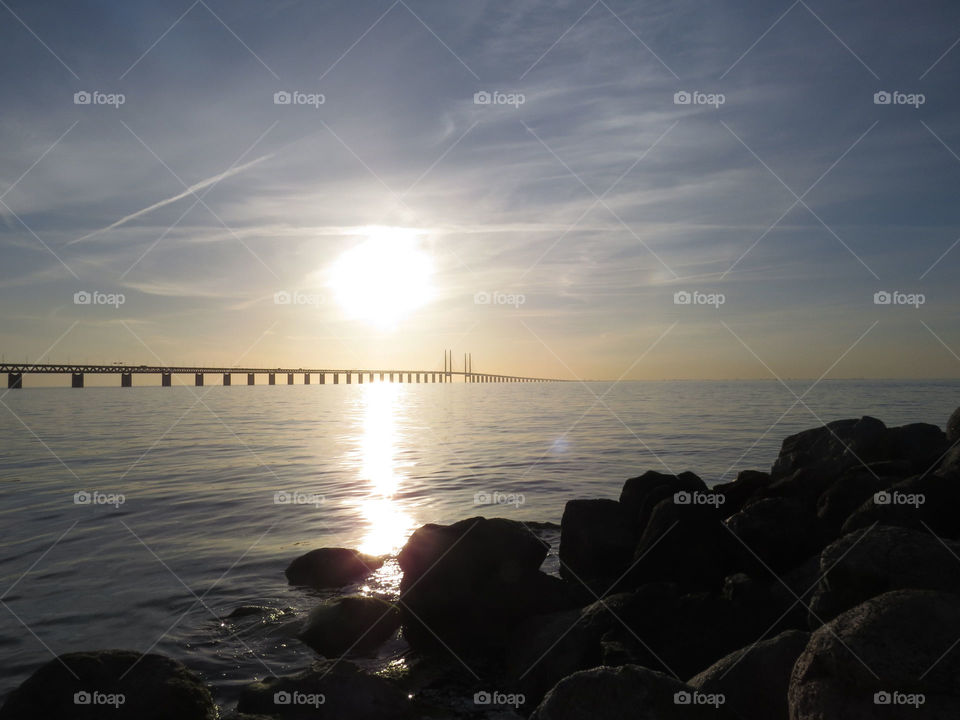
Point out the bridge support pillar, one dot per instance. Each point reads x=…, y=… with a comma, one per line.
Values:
x=76, y=380
x=306, y=378
x=360, y=378
x=126, y=379
x=289, y=378
x=336, y=378
x=166, y=380
x=391, y=377
x=349, y=379
x=323, y=378
x=370, y=377
x=381, y=377
x=271, y=379
x=14, y=381
x=251, y=379
x=227, y=377
x=408, y=378
x=198, y=379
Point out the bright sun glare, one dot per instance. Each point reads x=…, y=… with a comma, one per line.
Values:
x=384, y=278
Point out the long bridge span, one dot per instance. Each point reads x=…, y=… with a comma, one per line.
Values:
x=16, y=371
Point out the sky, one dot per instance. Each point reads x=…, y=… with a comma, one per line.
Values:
x=636, y=190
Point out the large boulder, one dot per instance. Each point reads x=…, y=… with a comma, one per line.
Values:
x=749, y=484
x=886, y=658
x=596, y=542
x=755, y=679
x=919, y=444
x=331, y=568
x=120, y=684
x=629, y=692
x=469, y=584
x=832, y=447
x=849, y=492
x=953, y=427
x=777, y=534
x=640, y=494
x=329, y=689
x=924, y=502
x=355, y=624
x=878, y=559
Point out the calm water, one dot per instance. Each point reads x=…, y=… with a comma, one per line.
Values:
x=200, y=532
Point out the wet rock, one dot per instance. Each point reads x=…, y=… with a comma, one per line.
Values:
x=355, y=624
x=596, y=542
x=629, y=692
x=875, y=560
x=888, y=651
x=120, y=684
x=329, y=689
x=755, y=679
x=331, y=568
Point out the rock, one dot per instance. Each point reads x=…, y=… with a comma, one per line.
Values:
x=953, y=427
x=925, y=503
x=355, y=624
x=596, y=542
x=684, y=543
x=779, y=531
x=640, y=494
x=749, y=484
x=470, y=583
x=849, y=492
x=891, y=647
x=329, y=689
x=331, y=568
x=121, y=684
x=832, y=447
x=805, y=484
x=629, y=692
x=755, y=679
x=872, y=561
x=920, y=444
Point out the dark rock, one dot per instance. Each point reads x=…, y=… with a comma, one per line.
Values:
x=832, y=447
x=893, y=643
x=629, y=692
x=331, y=568
x=596, y=542
x=329, y=689
x=777, y=531
x=922, y=502
x=355, y=624
x=849, y=492
x=755, y=679
x=953, y=427
x=471, y=582
x=749, y=484
x=805, y=484
x=640, y=494
x=920, y=444
x=872, y=561
x=120, y=684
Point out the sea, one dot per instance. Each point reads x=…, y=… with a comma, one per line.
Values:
x=142, y=518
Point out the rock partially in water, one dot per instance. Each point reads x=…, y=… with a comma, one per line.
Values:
x=755, y=679
x=119, y=684
x=890, y=651
x=355, y=624
x=329, y=689
x=331, y=568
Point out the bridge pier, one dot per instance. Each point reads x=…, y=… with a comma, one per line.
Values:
x=251, y=379
x=126, y=379
x=381, y=377
x=370, y=377
x=227, y=377
x=360, y=378
x=408, y=378
x=166, y=379
x=323, y=378
x=306, y=378
x=349, y=379
x=336, y=378
x=289, y=378
x=198, y=379
x=271, y=379
x=14, y=381
x=76, y=380
x=391, y=377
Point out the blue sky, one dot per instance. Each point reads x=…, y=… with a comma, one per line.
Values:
x=594, y=201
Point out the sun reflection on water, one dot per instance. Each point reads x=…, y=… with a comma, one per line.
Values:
x=387, y=524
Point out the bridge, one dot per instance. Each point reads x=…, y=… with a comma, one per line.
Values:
x=16, y=371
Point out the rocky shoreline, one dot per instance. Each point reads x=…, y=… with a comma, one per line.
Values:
x=828, y=587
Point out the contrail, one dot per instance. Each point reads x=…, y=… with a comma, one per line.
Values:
x=189, y=191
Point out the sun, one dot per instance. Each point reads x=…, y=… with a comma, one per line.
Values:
x=384, y=278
